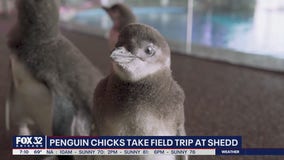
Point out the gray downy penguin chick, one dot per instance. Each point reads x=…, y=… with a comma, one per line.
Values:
x=53, y=82
x=121, y=15
x=140, y=96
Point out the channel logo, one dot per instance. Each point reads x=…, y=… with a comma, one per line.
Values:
x=29, y=142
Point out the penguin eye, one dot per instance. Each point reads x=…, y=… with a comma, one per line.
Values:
x=150, y=50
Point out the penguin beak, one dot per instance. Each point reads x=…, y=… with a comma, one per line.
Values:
x=105, y=8
x=121, y=55
x=109, y=12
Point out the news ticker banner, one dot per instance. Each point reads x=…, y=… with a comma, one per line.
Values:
x=135, y=145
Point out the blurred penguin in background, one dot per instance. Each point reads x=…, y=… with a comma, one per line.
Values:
x=52, y=81
x=121, y=15
x=139, y=97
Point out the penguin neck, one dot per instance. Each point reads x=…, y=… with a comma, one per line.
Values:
x=161, y=78
x=150, y=90
x=152, y=84
x=125, y=21
x=37, y=21
x=116, y=25
x=37, y=33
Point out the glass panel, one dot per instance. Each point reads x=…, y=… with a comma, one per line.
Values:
x=169, y=17
x=251, y=26
x=235, y=31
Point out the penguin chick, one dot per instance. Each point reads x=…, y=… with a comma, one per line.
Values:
x=53, y=82
x=121, y=15
x=139, y=97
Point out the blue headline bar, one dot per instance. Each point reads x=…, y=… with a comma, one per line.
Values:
x=223, y=145
x=130, y=142
x=145, y=142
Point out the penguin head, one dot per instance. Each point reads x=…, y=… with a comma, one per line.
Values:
x=141, y=51
x=121, y=15
x=40, y=14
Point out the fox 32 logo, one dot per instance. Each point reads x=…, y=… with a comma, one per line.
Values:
x=28, y=141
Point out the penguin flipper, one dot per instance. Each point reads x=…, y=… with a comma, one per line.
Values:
x=29, y=101
x=7, y=113
x=182, y=157
x=81, y=124
x=181, y=132
x=62, y=119
x=8, y=100
x=63, y=115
